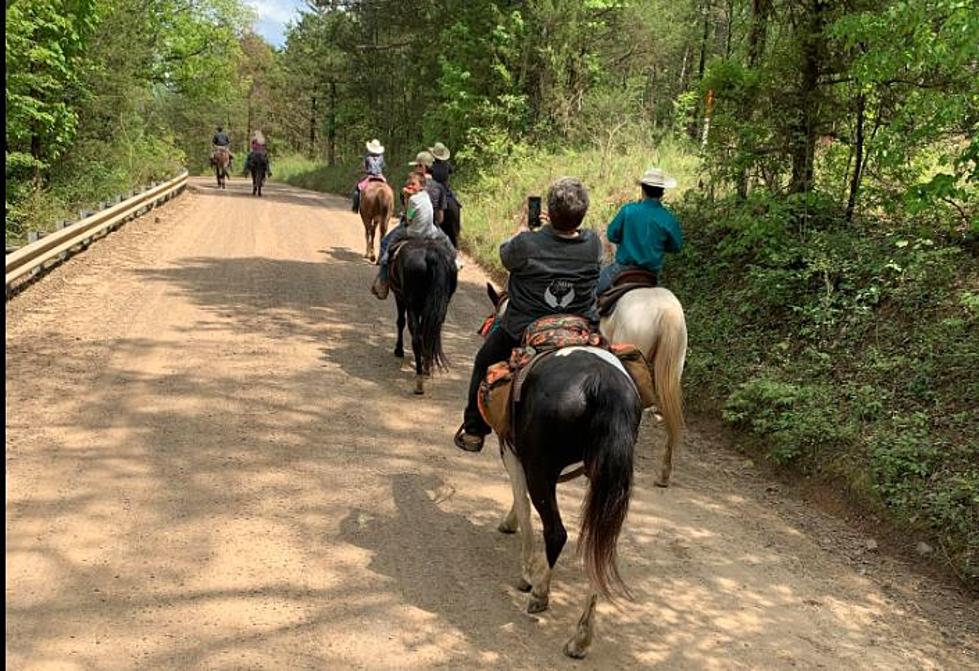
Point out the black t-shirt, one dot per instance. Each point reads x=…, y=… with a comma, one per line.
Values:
x=221, y=139
x=441, y=171
x=437, y=193
x=549, y=275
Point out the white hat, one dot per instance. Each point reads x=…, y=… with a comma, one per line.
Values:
x=375, y=147
x=656, y=177
x=440, y=151
x=423, y=158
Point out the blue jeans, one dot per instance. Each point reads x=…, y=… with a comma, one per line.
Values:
x=397, y=233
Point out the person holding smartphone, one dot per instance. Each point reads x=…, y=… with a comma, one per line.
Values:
x=553, y=270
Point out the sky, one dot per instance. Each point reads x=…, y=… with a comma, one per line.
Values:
x=273, y=15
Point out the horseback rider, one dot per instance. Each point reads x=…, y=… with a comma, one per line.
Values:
x=222, y=142
x=553, y=270
x=644, y=231
x=441, y=170
x=259, y=148
x=423, y=165
x=373, y=168
x=418, y=222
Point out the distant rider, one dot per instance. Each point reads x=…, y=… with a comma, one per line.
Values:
x=373, y=167
x=418, y=222
x=258, y=148
x=222, y=141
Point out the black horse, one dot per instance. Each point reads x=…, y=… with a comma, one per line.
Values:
x=258, y=166
x=577, y=405
x=452, y=222
x=423, y=279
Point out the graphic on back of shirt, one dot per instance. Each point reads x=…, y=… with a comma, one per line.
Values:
x=559, y=294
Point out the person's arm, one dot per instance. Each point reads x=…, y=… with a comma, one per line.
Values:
x=512, y=252
x=674, y=235
x=614, y=232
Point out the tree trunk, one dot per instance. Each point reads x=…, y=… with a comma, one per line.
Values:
x=758, y=32
x=694, y=129
x=806, y=122
x=851, y=203
x=312, y=128
x=331, y=130
x=757, y=36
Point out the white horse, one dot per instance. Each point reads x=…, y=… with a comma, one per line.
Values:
x=652, y=320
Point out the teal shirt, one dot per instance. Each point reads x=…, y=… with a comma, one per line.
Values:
x=644, y=231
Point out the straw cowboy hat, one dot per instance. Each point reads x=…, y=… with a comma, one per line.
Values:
x=375, y=147
x=440, y=151
x=424, y=158
x=656, y=177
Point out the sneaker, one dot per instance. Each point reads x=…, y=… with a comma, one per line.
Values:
x=459, y=264
x=380, y=289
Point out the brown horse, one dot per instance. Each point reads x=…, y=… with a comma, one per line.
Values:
x=221, y=160
x=376, y=208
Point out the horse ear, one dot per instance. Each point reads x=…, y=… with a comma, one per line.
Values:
x=491, y=292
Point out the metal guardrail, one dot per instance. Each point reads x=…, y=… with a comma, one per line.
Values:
x=30, y=259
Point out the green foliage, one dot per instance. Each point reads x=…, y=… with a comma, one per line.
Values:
x=102, y=97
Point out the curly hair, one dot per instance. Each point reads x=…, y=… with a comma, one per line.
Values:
x=567, y=203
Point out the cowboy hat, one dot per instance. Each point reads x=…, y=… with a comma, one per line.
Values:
x=423, y=158
x=440, y=151
x=375, y=147
x=656, y=177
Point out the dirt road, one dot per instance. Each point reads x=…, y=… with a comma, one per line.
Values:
x=214, y=462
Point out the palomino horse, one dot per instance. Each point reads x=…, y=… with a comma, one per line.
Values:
x=258, y=166
x=652, y=320
x=423, y=279
x=221, y=160
x=376, y=207
x=577, y=405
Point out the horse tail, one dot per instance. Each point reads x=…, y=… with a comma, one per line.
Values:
x=615, y=413
x=667, y=370
x=440, y=284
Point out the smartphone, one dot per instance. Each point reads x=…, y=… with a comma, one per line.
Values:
x=533, y=212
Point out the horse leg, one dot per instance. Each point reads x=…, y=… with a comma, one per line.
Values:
x=520, y=512
x=543, y=492
x=383, y=223
x=508, y=525
x=578, y=645
x=399, y=348
x=416, y=347
x=369, y=239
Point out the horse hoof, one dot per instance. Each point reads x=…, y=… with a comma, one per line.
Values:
x=400, y=353
x=419, y=386
x=505, y=528
x=572, y=650
x=537, y=604
x=523, y=586
x=659, y=482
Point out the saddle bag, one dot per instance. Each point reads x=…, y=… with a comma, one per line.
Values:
x=638, y=369
x=495, y=391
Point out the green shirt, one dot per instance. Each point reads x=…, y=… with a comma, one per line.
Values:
x=644, y=231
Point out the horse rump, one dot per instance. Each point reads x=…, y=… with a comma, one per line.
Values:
x=426, y=276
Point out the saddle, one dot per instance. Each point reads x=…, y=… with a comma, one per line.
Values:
x=624, y=282
x=362, y=184
x=501, y=390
